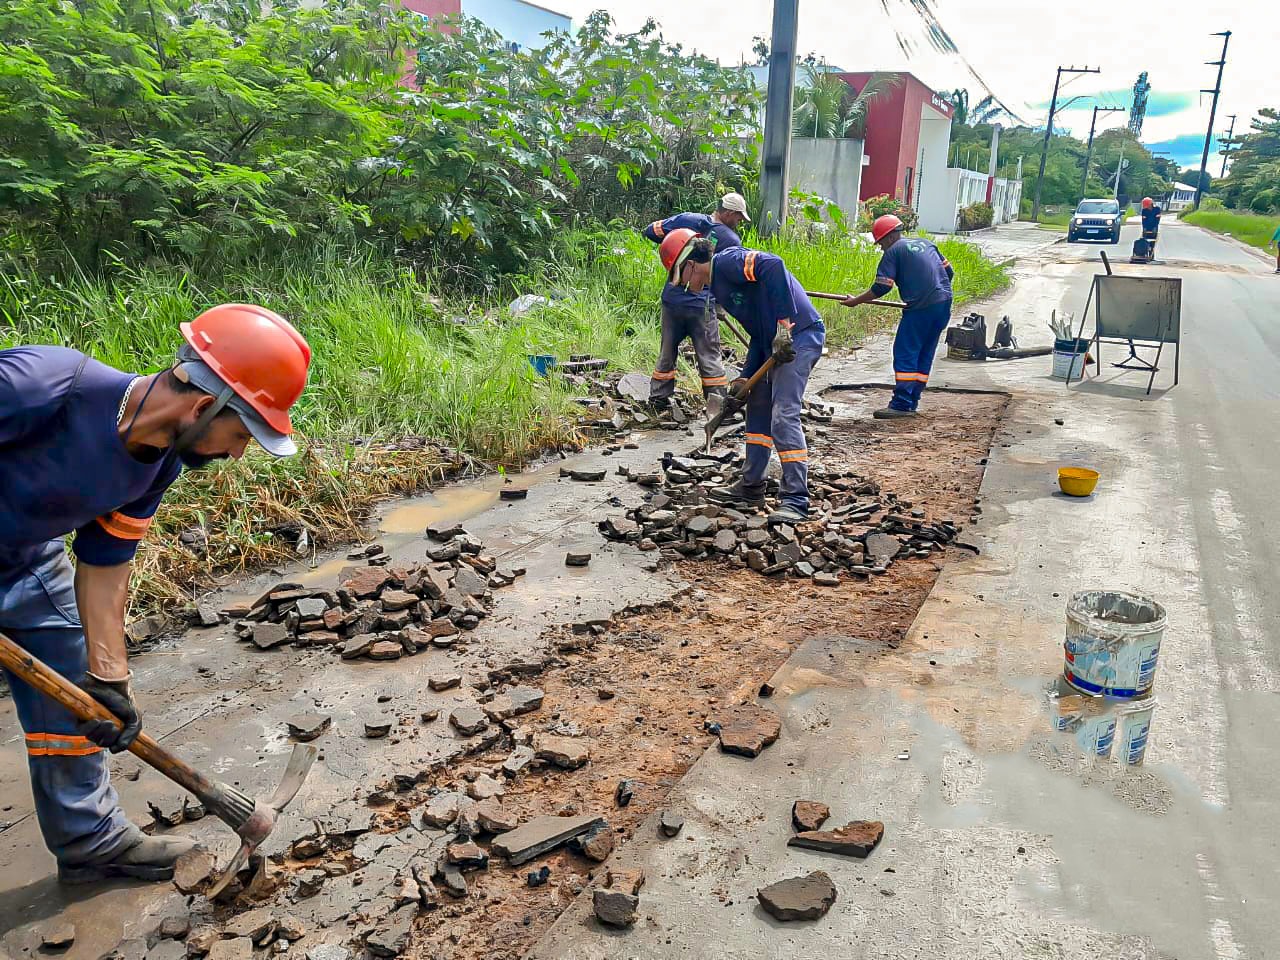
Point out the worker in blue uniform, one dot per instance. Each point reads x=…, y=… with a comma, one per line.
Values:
x=923, y=278
x=85, y=448
x=757, y=290
x=693, y=315
x=1150, y=225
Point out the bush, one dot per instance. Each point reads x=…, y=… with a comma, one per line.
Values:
x=1209, y=204
x=1263, y=201
x=976, y=216
x=875, y=207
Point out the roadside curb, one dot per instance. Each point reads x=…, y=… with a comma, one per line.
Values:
x=1260, y=254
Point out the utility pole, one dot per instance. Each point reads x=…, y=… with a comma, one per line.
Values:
x=777, y=116
x=1088, y=156
x=1213, y=110
x=1048, y=130
x=1226, y=144
x=1119, y=169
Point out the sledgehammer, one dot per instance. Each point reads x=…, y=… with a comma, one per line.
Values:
x=251, y=819
x=869, y=303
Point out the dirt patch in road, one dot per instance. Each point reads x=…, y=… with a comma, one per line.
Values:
x=642, y=691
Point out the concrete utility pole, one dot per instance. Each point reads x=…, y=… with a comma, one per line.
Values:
x=1088, y=156
x=991, y=163
x=1119, y=170
x=1048, y=130
x=1213, y=110
x=1226, y=144
x=777, y=116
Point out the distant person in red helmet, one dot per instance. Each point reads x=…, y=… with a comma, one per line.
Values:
x=89, y=450
x=923, y=278
x=1150, y=225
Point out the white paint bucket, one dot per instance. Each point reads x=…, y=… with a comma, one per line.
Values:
x=1067, y=365
x=1112, y=643
x=1135, y=730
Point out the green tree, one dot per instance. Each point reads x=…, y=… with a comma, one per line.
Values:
x=1255, y=164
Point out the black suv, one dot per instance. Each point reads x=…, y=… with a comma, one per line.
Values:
x=1095, y=220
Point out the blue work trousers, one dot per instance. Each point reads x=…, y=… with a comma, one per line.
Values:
x=76, y=805
x=913, y=350
x=773, y=420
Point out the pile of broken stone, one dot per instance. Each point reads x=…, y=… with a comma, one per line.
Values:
x=855, y=527
x=380, y=611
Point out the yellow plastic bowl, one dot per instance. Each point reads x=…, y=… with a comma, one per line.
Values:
x=1077, y=481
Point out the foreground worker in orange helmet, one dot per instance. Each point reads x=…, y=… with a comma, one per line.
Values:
x=85, y=448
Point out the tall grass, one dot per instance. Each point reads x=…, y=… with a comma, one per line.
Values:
x=397, y=355
x=1250, y=228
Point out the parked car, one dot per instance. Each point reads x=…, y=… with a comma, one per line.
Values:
x=1095, y=220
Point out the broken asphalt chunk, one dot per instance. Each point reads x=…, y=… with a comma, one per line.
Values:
x=801, y=898
x=540, y=835
x=577, y=558
x=623, y=792
x=468, y=719
x=267, y=635
x=856, y=839
x=596, y=844
x=564, y=752
x=809, y=814
x=442, y=682
x=375, y=728
x=747, y=729
x=615, y=908
x=193, y=870
x=536, y=878
x=670, y=823
x=57, y=936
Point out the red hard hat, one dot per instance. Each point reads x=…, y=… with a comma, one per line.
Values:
x=884, y=226
x=1146, y=201
x=257, y=354
x=672, y=244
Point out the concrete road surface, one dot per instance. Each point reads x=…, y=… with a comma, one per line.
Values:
x=1002, y=839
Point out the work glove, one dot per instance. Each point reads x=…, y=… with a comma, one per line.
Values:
x=784, y=350
x=738, y=390
x=116, y=696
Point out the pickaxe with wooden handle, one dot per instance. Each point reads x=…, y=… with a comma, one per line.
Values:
x=251, y=819
x=720, y=405
x=869, y=303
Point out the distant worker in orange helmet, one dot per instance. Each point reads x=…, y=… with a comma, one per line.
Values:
x=1150, y=225
x=89, y=450
x=923, y=278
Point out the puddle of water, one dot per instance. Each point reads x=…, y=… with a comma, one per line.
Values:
x=326, y=570
x=455, y=503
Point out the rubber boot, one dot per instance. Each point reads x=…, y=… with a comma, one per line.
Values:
x=151, y=858
x=738, y=494
x=788, y=515
x=892, y=413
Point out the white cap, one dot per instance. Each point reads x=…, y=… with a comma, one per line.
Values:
x=199, y=374
x=737, y=203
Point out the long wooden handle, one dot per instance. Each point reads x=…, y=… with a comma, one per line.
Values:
x=43, y=678
x=841, y=296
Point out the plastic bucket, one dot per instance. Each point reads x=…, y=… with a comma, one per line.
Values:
x=1135, y=729
x=542, y=363
x=1112, y=643
x=1068, y=359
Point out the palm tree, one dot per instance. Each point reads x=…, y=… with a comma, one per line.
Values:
x=985, y=110
x=826, y=107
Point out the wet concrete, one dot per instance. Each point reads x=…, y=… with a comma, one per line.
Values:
x=1002, y=840
x=223, y=705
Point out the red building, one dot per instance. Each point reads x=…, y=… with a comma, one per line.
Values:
x=908, y=135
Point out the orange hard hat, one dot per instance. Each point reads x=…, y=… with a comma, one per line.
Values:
x=1146, y=201
x=672, y=245
x=884, y=226
x=256, y=353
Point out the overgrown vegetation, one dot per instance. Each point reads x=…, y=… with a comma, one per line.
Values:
x=878, y=206
x=976, y=216
x=213, y=131
x=1253, y=183
x=1251, y=228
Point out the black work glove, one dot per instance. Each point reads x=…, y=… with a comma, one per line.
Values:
x=117, y=698
x=783, y=349
x=738, y=390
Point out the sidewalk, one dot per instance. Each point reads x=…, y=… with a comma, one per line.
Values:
x=1001, y=840
x=1011, y=240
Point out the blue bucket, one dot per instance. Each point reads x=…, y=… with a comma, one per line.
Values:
x=542, y=363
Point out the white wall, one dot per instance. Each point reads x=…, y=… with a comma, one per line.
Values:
x=935, y=193
x=830, y=168
x=518, y=22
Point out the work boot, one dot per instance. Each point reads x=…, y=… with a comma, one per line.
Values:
x=787, y=515
x=893, y=413
x=739, y=494
x=151, y=858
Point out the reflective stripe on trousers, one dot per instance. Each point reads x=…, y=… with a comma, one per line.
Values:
x=773, y=421
x=76, y=805
x=914, y=346
x=703, y=328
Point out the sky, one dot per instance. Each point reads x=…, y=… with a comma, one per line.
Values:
x=1016, y=48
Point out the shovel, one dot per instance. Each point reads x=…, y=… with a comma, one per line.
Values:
x=720, y=406
x=251, y=819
